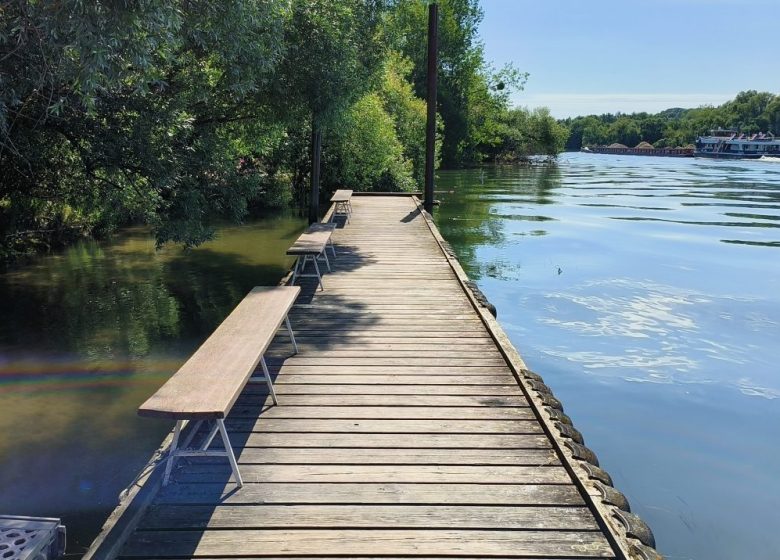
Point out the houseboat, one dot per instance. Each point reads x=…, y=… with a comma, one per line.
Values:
x=730, y=144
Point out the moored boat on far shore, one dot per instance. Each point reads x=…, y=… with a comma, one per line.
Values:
x=730, y=144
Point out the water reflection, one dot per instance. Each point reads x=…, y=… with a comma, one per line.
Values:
x=647, y=292
x=90, y=333
x=469, y=223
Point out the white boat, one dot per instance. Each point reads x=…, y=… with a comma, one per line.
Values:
x=730, y=144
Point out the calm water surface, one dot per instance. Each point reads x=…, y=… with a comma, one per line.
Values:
x=89, y=334
x=647, y=292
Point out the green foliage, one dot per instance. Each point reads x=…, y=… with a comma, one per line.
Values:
x=123, y=112
x=472, y=97
x=525, y=133
x=408, y=112
x=364, y=152
x=750, y=111
x=332, y=55
x=625, y=131
x=180, y=113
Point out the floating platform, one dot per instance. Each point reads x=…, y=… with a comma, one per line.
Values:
x=31, y=538
x=408, y=426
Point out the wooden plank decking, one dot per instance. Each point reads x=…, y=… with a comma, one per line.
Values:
x=401, y=430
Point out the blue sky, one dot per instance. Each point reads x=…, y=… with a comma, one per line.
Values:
x=597, y=56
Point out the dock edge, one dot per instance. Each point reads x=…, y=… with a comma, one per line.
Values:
x=627, y=532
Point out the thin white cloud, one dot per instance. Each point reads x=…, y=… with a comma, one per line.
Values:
x=572, y=104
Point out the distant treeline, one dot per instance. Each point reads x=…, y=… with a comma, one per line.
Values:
x=177, y=113
x=749, y=111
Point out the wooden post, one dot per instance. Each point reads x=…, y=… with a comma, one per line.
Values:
x=430, y=134
x=316, y=152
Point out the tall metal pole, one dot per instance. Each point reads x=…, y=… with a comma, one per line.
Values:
x=316, y=151
x=430, y=133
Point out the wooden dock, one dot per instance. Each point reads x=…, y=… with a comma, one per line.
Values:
x=406, y=428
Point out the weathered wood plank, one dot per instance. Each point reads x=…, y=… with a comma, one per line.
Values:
x=310, y=242
x=338, y=353
x=393, y=558
x=369, y=516
x=389, y=361
x=392, y=389
x=474, y=441
x=411, y=379
x=379, y=456
x=378, y=426
x=409, y=334
x=390, y=400
x=341, y=195
x=371, y=493
x=398, y=474
x=358, y=542
x=382, y=412
x=403, y=369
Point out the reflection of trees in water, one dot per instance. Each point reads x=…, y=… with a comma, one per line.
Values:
x=476, y=214
x=125, y=300
x=96, y=301
x=86, y=336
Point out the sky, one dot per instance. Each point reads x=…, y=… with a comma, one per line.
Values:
x=604, y=56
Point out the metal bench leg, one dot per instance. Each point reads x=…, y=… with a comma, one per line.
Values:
x=327, y=262
x=194, y=430
x=172, y=451
x=319, y=276
x=268, y=379
x=292, y=336
x=229, y=450
x=209, y=438
x=332, y=246
x=295, y=270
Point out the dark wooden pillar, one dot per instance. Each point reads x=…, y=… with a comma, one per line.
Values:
x=316, y=152
x=430, y=133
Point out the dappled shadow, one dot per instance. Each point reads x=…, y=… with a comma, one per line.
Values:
x=320, y=321
x=340, y=220
x=411, y=216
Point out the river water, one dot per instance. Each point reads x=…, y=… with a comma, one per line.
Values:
x=646, y=291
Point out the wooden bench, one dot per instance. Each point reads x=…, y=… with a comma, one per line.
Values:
x=310, y=246
x=342, y=198
x=208, y=384
x=324, y=226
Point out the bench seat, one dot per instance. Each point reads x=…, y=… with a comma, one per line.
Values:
x=210, y=381
x=309, y=247
x=342, y=198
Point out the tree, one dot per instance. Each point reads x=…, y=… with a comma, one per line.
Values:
x=408, y=113
x=625, y=131
x=364, y=152
x=333, y=56
x=111, y=114
x=470, y=95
